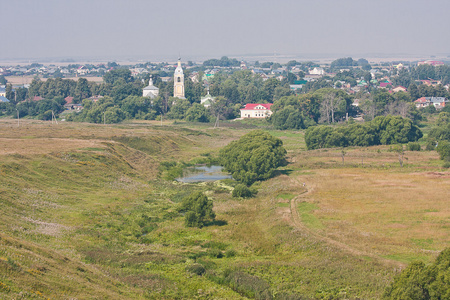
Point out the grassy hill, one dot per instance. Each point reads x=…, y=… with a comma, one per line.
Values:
x=87, y=214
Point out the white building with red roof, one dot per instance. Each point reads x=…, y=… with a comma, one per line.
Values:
x=256, y=110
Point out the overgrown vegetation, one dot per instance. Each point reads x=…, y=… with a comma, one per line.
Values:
x=419, y=281
x=255, y=156
x=87, y=210
x=198, y=210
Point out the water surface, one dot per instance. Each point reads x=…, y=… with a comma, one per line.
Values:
x=203, y=173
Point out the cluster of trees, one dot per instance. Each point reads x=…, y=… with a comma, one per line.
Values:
x=383, y=130
x=223, y=62
x=43, y=109
x=255, y=156
x=305, y=110
x=242, y=86
x=439, y=137
x=419, y=281
x=349, y=62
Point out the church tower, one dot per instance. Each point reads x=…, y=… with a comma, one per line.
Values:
x=178, y=81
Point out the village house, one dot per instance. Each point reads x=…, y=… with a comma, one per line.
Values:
x=257, y=110
x=438, y=102
x=399, y=89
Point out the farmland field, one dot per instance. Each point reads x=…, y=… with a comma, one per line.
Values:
x=87, y=212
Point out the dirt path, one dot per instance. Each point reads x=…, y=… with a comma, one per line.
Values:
x=298, y=223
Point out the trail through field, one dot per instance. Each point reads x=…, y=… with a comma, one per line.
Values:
x=300, y=225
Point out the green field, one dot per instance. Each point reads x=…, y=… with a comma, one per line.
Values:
x=88, y=213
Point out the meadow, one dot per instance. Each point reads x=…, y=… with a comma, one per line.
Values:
x=88, y=213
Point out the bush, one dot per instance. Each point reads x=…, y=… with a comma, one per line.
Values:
x=443, y=149
x=230, y=253
x=215, y=253
x=413, y=147
x=431, y=145
x=255, y=156
x=241, y=190
x=198, y=209
x=196, y=269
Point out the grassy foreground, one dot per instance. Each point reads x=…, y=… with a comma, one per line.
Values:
x=86, y=214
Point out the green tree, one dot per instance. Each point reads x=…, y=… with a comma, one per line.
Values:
x=179, y=108
x=421, y=282
x=255, y=156
x=82, y=90
x=198, y=210
x=197, y=113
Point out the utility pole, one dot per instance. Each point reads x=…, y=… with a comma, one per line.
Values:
x=18, y=120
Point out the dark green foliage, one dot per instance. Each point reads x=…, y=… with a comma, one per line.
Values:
x=443, y=149
x=413, y=146
x=196, y=269
x=255, y=156
x=419, y=281
x=242, y=191
x=440, y=133
x=223, y=62
x=343, y=62
x=198, y=210
x=197, y=113
x=380, y=131
x=288, y=118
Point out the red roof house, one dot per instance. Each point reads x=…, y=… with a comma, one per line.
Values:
x=256, y=110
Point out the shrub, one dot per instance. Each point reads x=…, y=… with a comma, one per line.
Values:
x=196, y=269
x=241, y=190
x=215, y=253
x=443, y=149
x=413, y=146
x=230, y=253
x=431, y=145
x=198, y=209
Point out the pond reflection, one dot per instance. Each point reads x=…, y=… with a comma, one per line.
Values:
x=203, y=173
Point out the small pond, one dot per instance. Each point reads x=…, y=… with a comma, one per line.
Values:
x=203, y=173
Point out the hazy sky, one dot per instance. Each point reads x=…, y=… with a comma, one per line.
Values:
x=33, y=29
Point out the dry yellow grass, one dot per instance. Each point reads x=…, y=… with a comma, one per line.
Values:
x=381, y=209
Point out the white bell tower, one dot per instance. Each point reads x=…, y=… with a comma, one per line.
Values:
x=178, y=81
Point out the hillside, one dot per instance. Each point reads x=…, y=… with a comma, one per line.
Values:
x=87, y=214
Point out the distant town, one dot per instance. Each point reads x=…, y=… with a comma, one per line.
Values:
x=221, y=89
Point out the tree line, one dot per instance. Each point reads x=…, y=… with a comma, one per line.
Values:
x=383, y=130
